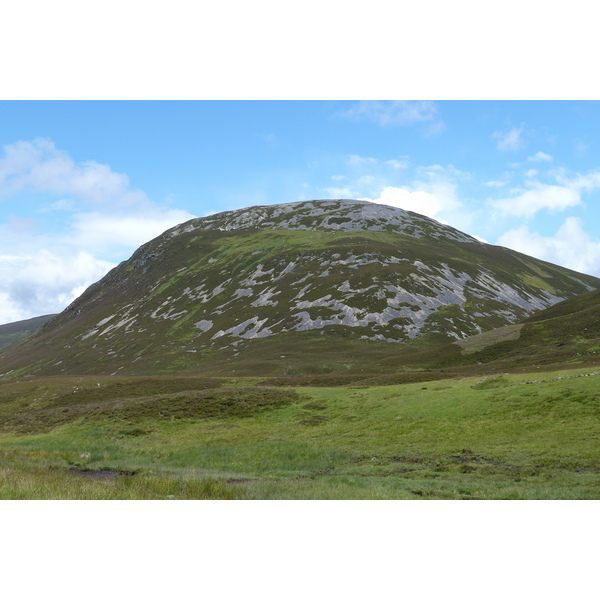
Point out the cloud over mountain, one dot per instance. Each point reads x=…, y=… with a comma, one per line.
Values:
x=571, y=246
x=85, y=218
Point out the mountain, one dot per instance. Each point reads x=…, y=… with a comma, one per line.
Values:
x=302, y=287
x=567, y=333
x=12, y=332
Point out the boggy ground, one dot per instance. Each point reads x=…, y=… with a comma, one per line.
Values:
x=510, y=436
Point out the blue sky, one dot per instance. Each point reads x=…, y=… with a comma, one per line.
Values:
x=84, y=183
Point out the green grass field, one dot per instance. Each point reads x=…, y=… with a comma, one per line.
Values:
x=504, y=437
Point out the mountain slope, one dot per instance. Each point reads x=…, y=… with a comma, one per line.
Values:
x=339, y=278
x=12, y=332
x=566, y=333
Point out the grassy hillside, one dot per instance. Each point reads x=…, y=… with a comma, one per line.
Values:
x=160, y=381
x=504, y=437
x=567, y=334
x=12, y=332
x=182, y=305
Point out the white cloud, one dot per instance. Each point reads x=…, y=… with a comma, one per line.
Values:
x=66, y=205
x=540, y=157
x=510, y=140
x=393, y=113
x=339, y=193
x=10, y=312
x=114, y=234
x=570, y=247
x=357, y=161
x=434, y=128
x=418, y=201
x=21, y=225
x=526, y=203
x=583, y=183
x=42, y=274
x=397, y=164
x=539, y=196
x=495, y=183
x=45, y=282
x=39, y=166
x=429, y=199
x=432, y=193
x=46, y=262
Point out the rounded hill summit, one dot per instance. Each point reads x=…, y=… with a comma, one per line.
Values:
x=219, y=288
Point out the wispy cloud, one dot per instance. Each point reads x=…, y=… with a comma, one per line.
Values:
x=397, y=113
x=336, y=193
x=354, y=160
x=582, y=183
x=40, y=167
x=397, y=164
x=535, y=196
x=431, y=193
x=540, y=157
x=63, y=205
x=526, y=203
x=103, y=220
x=509, y=140
x=571, y=246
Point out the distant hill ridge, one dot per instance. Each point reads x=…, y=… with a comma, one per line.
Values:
x=12, y=332
x=351, y=274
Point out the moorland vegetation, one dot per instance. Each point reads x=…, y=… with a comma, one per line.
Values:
x=168, y=380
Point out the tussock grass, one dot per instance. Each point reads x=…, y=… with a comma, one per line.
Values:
x=503, y=437
x=46, y=484
x=203, y=403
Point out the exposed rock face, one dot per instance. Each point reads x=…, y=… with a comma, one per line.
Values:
x=323, y=215
x=342, y=267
